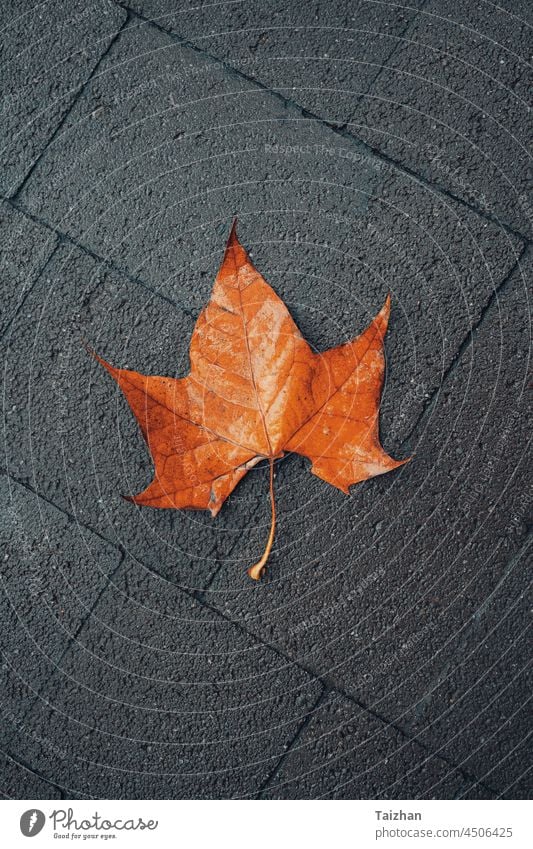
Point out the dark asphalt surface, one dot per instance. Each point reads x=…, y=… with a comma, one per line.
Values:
x=365, y=147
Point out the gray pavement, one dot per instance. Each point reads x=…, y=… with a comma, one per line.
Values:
x=365, y=148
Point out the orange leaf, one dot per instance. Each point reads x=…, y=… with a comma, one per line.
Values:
x=254, y=391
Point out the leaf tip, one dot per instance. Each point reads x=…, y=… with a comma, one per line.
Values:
x=397, y=464
x=99, y=359
x=232, y=238
x=92, y=353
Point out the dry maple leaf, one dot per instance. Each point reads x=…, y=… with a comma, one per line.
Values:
x=256, y=390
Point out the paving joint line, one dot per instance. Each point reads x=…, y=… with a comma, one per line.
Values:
x=472, y=624
x=294, y=740
x=398, y=39
x=513, y=561
x=464, y=345
x=23, y=765
x=25, y=295
x=81, y=625
x=331, y=686
x=65, y=239
x=70, y=516
x=81, y=88
x=339, y=128
x=72, y=638
x=327, y=684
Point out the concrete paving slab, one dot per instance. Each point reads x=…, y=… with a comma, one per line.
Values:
x=154, y=179
x=52, y=574
x=15, y=776
x=69, y=432
x=49, y=51
x=413, y=574
x=410, y=596
x=344, y=753
x=440, y=87
x=323, y=56
x=26, y=247
x=453, y=105
x=172, y=701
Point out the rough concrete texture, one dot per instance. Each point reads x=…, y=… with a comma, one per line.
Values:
x=440, y=86
x=170, y=701
x=46, y=597
x=26, y=248
x=339, y=756
x=418, y=614
x=316, y=56
x=365, y=148
x=49, y=51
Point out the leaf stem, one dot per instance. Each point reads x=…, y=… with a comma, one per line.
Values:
x=258, y=568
